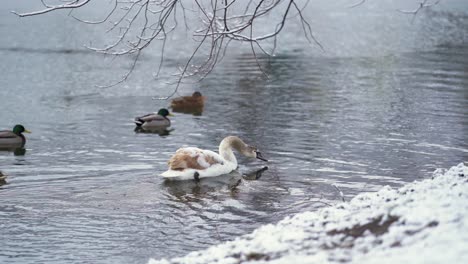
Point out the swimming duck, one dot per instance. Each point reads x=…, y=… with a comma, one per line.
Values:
x=189, y=104
x=2, y=176
x=194, y=163
x=13, y=139
x=155, y=120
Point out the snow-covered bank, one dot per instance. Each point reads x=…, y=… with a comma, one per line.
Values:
x=422, y=222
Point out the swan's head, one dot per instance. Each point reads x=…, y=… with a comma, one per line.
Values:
x=253, y=152
x=236, y=143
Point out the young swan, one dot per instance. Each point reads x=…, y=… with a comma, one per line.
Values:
x=194, y=163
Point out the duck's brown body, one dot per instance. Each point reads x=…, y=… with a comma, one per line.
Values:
x=189, y=104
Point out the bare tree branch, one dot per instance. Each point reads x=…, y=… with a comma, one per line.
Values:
x=135, y=24
x=423, y=4
x=339, y=192
x=49, y=8
x=100, y=21
x=357, y=4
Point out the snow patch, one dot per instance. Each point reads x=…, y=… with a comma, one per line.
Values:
x=422, y=222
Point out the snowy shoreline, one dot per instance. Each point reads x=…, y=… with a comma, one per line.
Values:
x=422, y=222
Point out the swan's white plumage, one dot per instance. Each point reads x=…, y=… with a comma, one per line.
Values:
x=193, y=163
x=189, y=174
x=206, y=163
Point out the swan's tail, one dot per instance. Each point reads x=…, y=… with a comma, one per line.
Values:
x=188, y=174
x=170, y=174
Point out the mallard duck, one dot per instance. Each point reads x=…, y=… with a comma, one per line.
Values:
x=13, y=139
x=155, y=120
x=195, y=163
x=189, y=104
x=2, y=177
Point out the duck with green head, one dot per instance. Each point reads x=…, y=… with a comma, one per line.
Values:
x=154, y=120
x=14, y=138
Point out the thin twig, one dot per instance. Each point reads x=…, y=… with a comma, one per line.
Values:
x=340, y=192
x=357, y=4
x=139, y=23
x=423, y=4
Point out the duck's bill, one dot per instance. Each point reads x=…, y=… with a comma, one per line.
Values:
x=260, y=157
x=170, y=114
x=27, y=131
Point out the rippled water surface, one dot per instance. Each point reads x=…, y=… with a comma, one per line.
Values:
x=87, y=189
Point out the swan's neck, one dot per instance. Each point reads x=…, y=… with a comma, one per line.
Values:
x=228, y=155
x=226, y=146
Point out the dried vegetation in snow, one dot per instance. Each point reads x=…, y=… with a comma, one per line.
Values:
x=422, y=222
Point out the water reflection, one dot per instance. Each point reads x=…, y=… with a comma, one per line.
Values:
x=183, y=190
x=160, y=131
x=254, y=175
x=205, y=186
x=17, y=151
x=23, y=50
x=193, y=110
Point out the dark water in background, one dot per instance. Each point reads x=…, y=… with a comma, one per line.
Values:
x=87, y=191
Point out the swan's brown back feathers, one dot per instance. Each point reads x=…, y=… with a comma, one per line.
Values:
x=191, y=158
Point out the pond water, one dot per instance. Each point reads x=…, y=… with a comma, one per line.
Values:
x=87, y=190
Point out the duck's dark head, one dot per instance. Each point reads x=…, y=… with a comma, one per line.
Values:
x=18, y=129
x=164, y=112
x=196, y=94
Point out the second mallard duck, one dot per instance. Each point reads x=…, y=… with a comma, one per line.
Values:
x=2, y=176
x=154, y=120
x=14, y=138
x=189, y=104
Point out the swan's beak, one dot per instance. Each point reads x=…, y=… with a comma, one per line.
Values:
x=26, y=131
x=259, y=156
